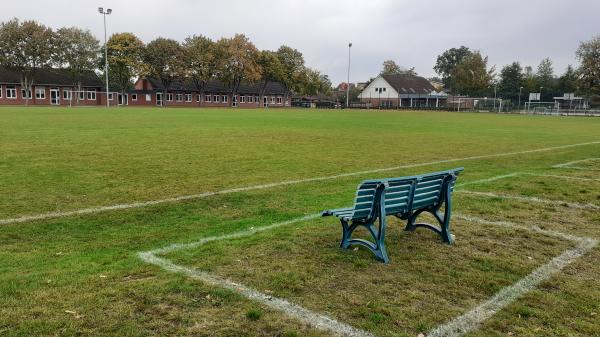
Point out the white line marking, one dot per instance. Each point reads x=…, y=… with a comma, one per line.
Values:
x=569, y=164
x=306, y=316
x=531, y=228
x=560, y=177
x=472, y=320
x=532, y=199
x=92, y=210
x=487, y=180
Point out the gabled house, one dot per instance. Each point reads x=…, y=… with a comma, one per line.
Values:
x=402, y=91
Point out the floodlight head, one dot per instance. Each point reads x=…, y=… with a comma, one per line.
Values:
x=100, y=10
x=349, y=44
x=108, y=11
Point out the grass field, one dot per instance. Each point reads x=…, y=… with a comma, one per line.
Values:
x=82, y=274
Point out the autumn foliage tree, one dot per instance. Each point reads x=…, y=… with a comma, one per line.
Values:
x=164, y=59
x=125, y=60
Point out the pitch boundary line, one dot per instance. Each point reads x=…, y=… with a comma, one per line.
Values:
x=93, y=210
x=569, y=165
x=458, y=326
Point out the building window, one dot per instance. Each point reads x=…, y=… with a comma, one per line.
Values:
x=66, y=93
x=216, y=98
x=11, y=92
x=207, y=98
x=225, y=98
x=256, y=99
x=242, y=99
x=26, y=94
x=188, y=97
x=110, y=96
x=91, y=95
x=272, y=99
x=169, y=97
x=148, y=97
x=198, y=97
x=40, y=93
x=279, y=100
x=179, y=97
x=134, y=97
x=81, y=95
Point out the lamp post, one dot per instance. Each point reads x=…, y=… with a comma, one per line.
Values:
x=348, y=82
x=104, y=14
x=520, y=91
x=495, y=89
x=541, y=94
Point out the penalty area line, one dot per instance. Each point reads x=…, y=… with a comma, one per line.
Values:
x=473, y=319
x=93, y=210
x=311, y=318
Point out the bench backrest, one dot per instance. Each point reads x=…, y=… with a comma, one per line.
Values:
x=404, y=194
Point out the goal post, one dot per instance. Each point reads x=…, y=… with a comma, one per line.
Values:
x=82, y=98
x=542, y=108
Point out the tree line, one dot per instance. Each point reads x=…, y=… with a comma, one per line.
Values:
x=466, y=72
x=28, y=46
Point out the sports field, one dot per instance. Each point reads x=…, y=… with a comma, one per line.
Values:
x=204, y=222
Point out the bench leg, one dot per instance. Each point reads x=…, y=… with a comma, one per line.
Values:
x=443, y=230
x=377, y=246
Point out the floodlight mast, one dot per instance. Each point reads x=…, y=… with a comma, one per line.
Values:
x=348, y=83
x=104, y=14
x=520, y=91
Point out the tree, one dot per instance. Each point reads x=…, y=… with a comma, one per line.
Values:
x=569, y=82
x=530, y=82
x=312, y=82
x=26, y=47
x=391, y=68
x=125, y=60
x=472, y=76
x=165, y=61
x=237, y=61
x=511, y=80
x=588, y=54
x=447, y=62
x=293, y=65
x=272, y=68
x=545, y=77
x=77, y=51
x=200, y=60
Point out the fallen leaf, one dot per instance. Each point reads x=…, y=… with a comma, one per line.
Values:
x=421, y=335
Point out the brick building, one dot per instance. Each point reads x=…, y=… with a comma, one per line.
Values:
x=55, y=87
x=51, y=87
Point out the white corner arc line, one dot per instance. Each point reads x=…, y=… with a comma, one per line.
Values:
x=92, y=210
x=311, y=318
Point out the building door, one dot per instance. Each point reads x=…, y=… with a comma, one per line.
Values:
x=159, y=98
x=265, y=102
x=54, y=96
x=123, y=99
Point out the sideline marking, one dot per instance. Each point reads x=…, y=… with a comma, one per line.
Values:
x=473, y=318
x=569, y=165
x=92, y=210
x=311, y=318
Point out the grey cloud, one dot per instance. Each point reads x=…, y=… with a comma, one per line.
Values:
x=411, y=32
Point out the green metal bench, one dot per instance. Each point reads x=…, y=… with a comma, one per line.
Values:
x=405, y=198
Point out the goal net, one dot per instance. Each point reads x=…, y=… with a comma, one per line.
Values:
x=542, y=108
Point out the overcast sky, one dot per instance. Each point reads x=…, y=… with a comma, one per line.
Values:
x=411, y=32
